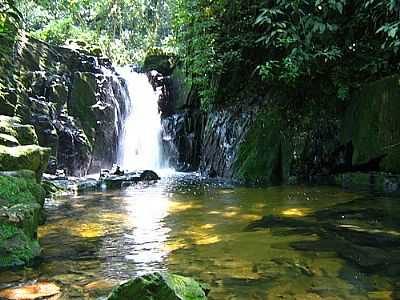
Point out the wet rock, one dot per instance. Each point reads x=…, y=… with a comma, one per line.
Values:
x=182, y=138
x=39, y=290
x=224, y=132
x=148, y=175
x=8, y=140
x=116, y=181
x=160, y=286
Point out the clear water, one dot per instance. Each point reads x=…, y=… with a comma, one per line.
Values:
x=140, y=144
x=197, y=228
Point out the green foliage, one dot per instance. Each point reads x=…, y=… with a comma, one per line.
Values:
x=213, y=38
x=337, y=40
x=59, y=31
x=123, y=29
x=313, y=49
x=158, y=59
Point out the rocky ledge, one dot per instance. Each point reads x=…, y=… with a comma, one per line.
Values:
x=106, y=180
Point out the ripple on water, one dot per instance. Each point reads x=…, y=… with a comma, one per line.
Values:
x=196, y=227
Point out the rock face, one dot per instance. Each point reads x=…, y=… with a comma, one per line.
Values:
x=159, y=286
x=223, y=134
x=74, y=101
x=182, y=139
x=182, y=120
x=372, y=124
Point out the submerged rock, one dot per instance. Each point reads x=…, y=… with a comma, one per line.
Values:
x=160, y=286
x=34, y=291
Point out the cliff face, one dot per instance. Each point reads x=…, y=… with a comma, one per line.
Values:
x=257, y=144
x=74, y=100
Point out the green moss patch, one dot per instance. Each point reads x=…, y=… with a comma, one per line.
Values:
x=372, y=123
x=21, y=202
x=159, y=286
x=31, y=157
x=16, y=249
x=24, y=134
x=83, y=97
x=261, y=155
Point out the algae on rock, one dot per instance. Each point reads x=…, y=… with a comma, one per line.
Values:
x=21, y=202
x=159, y=286
x=31, y=157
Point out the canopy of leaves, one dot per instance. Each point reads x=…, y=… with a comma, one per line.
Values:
x=123, y=29
x=312, y=47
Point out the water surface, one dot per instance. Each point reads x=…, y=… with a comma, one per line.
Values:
x=197, y=227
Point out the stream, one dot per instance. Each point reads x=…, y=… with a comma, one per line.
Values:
x=197, y=227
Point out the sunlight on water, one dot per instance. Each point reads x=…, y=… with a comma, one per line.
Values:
x=146, y=211
x=317, y=242
x=140, y=145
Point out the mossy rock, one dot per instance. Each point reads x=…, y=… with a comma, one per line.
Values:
x=372, y=123
x=16, y=248
x=24, y=134
x=158, y=60
x=159, y=286
x=21, y=203
x=8, y=140
x=30, y=157
x=263, y=156
x=20, y=190
x=83, y=97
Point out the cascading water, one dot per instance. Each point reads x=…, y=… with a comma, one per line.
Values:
x=140, y=142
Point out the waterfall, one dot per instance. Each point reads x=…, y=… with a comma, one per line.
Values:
x=140, y=141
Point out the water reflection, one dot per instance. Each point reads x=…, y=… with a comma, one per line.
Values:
x=146, y=209
x=319, y=245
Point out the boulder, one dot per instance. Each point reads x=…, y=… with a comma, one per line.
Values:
x=24, y=134
x=160, y=286
x=148, y=175
x=30, y=157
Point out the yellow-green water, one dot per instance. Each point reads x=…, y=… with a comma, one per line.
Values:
x=196, y=228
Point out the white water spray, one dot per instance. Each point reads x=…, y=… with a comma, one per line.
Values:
x=140, y=144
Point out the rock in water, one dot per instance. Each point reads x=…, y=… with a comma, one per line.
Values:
x=149, y=175
x=159, y=286
x=31, y=292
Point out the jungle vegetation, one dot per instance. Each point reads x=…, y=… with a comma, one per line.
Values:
x=229, y=49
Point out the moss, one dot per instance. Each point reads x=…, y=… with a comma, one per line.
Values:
x=31, y=157
x=16, y=249
x=25, y=134
x=261, y=155
x=159, y=286
x=16, y=190
x=158, y=60
x=83, y=97
x=372, y=123
x=180, y=88
x=21, y=202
